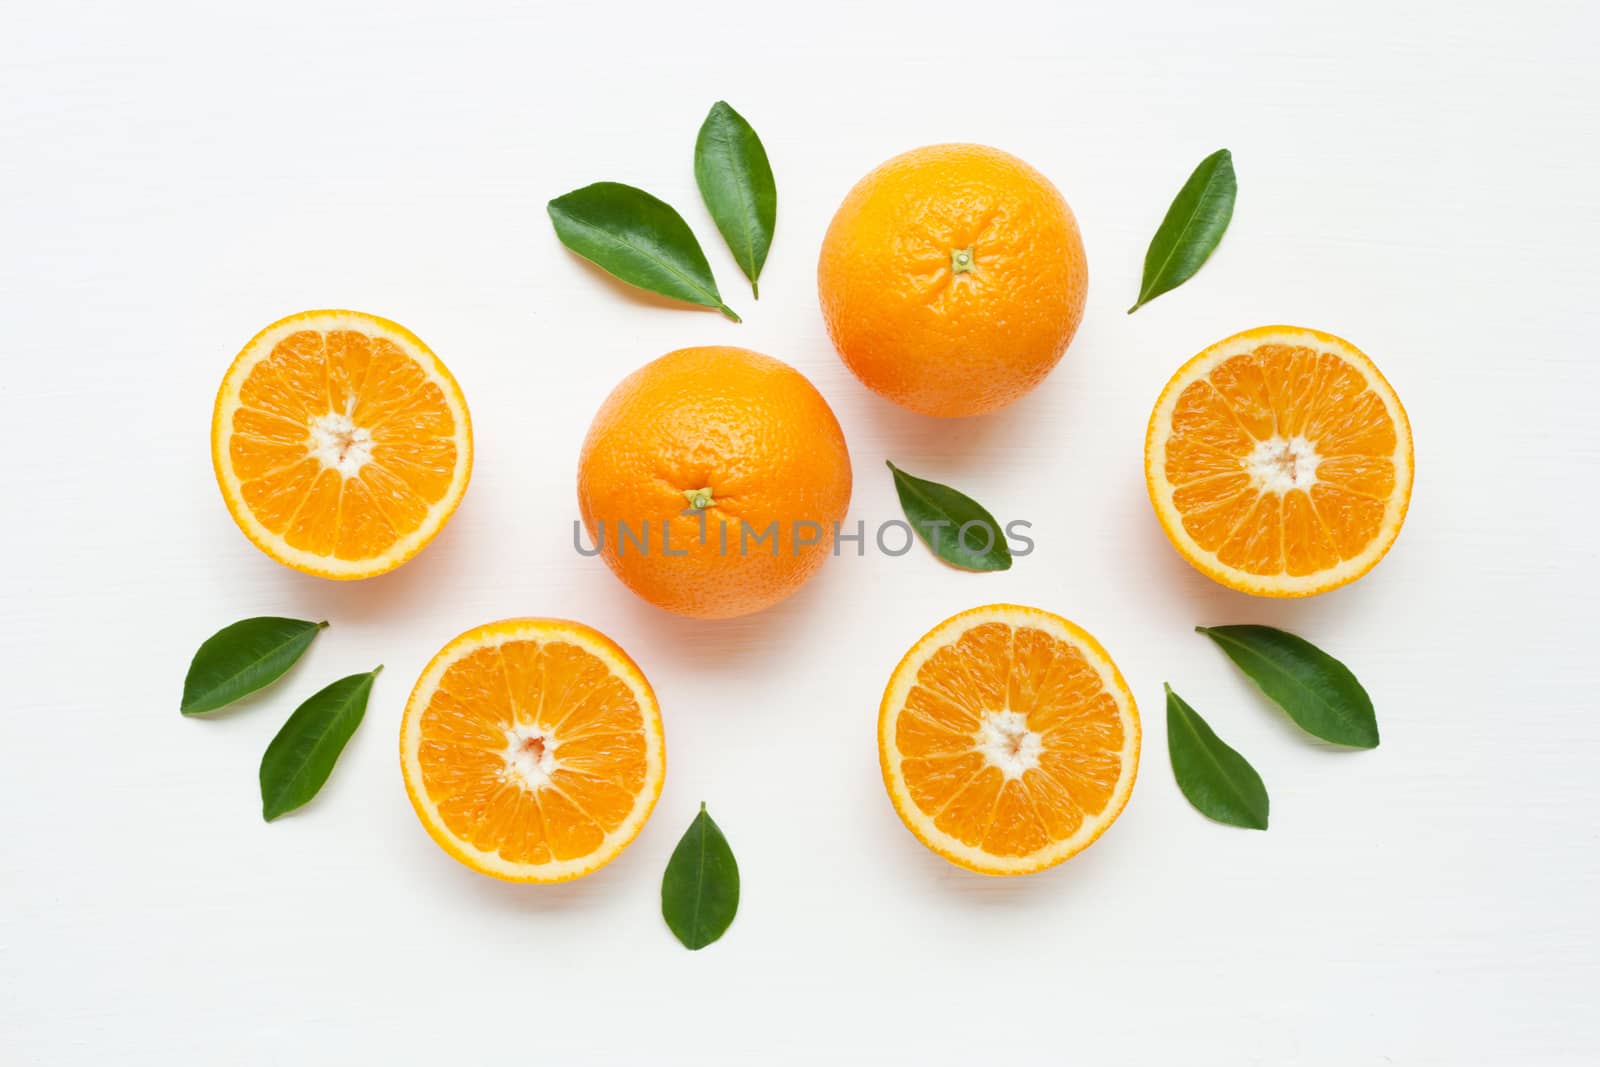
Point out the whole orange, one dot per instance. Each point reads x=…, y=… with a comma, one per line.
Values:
x=952, y=279
x=712, y=481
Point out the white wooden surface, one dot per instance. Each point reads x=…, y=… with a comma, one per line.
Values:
x=1418, y=178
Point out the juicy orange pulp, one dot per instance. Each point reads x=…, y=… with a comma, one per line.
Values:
x=1286, y=459
x=341, y=443
x=1009, y=740
x=532, y=749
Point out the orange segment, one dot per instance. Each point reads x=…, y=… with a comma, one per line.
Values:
x=1008, y=739
x=340, y=442
x=532, y=749
x=1279, y=462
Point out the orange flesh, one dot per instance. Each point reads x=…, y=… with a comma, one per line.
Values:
x=995, y=667
x=309, y=376
x=1274, y=394
x=549, y=701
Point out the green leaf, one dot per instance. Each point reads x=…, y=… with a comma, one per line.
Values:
x=700, y=890
x=1218, y=781
x=1317, y=691
x=239, y=659
x=1193, y=227
x=735, y=179
x=956, y=527
x=633, y=236
x=300, y=758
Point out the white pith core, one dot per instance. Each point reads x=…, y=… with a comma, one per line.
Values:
x=1280, y=464
x=1007, y=743
x=339, y=443
x=530, y=756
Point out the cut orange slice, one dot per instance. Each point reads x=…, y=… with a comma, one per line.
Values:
x=532, y=750
x=1008, y=739
x=341, y=443
x=1279, y=462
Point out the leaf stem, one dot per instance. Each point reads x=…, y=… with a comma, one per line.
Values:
x=728, y=311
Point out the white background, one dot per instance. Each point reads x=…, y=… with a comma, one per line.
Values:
x=1418, y=178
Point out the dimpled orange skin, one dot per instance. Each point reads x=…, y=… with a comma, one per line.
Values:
x=755, y=434
x=928, y=328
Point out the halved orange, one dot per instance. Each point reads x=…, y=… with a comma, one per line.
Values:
x=1279, y=462
x=1008, y=740
x=340, y=442
x=532, y=749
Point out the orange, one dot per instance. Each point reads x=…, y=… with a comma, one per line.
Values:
x=532, y=750
x=712, y=481
x=1009, y=741
x=952, y=279
x=340, y=442
x=1279, y=462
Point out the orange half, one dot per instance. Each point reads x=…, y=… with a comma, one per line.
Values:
x=340, y=442
x=532, y=749
x=1279, y=462
x=1008, y=739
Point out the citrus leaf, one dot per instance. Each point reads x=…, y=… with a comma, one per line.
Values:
x=643, y=241
x=1218, y=781
x=700, y=889
x=302, y=755
x=953, y=525
x=735, y=179
x=1192, y=229
x=237, y=660
x=1317, y=691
